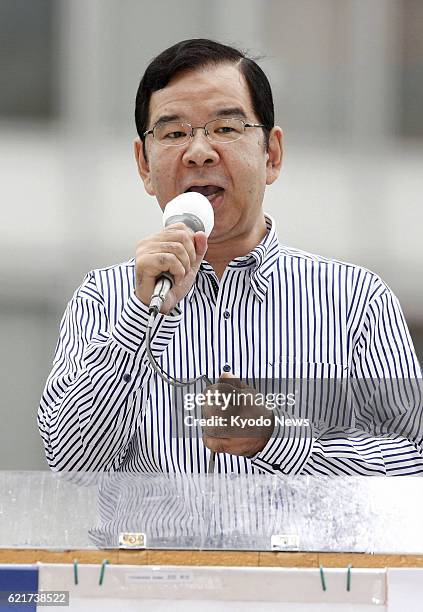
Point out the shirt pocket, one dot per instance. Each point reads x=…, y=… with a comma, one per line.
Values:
x=317, y=391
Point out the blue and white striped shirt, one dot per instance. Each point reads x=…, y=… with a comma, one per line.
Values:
x=276, y=313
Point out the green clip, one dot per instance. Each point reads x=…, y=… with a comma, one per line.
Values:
x=322, y=578
x=75, y=571
x=103, y=569
x=349, y=577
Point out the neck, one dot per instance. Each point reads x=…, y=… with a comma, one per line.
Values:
x=219, y=254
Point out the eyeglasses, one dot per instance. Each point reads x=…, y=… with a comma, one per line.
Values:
x=222, y=131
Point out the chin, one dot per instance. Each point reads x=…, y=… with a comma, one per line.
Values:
x=222, y=230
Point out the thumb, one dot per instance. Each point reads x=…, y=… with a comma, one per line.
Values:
x=226, y=375
x=201, y=245
x=236, y=381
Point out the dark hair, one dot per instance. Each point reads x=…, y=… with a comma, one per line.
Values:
x=198, y=53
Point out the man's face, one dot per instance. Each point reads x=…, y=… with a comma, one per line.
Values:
x=239, y=169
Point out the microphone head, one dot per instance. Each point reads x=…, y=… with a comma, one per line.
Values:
x=191, y=203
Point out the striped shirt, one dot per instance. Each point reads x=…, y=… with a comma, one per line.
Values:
x=277, y=313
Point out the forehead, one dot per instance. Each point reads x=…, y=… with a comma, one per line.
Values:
x=199, y=93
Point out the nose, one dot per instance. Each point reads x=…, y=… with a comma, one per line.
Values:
x=200, y=151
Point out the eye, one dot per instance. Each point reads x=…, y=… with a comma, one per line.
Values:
x=171, y=131
x=226, y=129
x=175, y=134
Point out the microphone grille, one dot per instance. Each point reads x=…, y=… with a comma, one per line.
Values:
x=193, y=203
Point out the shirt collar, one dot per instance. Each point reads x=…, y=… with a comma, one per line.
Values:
x=260, y=261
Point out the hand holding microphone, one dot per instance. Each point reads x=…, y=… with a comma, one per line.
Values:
x=167, y=263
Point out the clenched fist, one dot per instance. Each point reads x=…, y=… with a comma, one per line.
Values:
x=236, y=424
x=176, y=250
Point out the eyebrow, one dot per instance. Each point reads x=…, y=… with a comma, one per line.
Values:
x=233, y=111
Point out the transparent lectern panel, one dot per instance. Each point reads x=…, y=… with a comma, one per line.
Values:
x=219, y=512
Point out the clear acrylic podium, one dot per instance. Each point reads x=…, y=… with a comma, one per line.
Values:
x=211, y=512
x=146, y=541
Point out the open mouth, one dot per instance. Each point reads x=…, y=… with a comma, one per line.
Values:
x=211, y=192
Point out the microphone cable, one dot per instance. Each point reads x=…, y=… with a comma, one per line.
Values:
x=154, y=310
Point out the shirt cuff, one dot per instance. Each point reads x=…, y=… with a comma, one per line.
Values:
x=130, y=330
x=289, y=447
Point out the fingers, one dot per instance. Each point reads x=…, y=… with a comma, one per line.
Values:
x=163, y=249
x=181, y=234
x=226, y=378
x=243, y=447
x=176, y=239
x=155, y=264
x=234, y=422
x=175, y=250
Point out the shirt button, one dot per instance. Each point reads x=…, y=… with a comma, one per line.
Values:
x=226, y=368
x=126, y=377
x=226, y=314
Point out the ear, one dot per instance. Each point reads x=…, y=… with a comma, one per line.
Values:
x=274, y=155
x=143, y=167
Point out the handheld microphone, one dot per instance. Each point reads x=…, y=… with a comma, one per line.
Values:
x=195, y=211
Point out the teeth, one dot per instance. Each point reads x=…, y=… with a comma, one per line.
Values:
x=214, y=195
x=206, y=190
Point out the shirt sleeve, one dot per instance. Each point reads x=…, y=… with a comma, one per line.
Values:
x=386, y=393
x=87, y=413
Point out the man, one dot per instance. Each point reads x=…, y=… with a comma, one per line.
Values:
x=242, y=305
